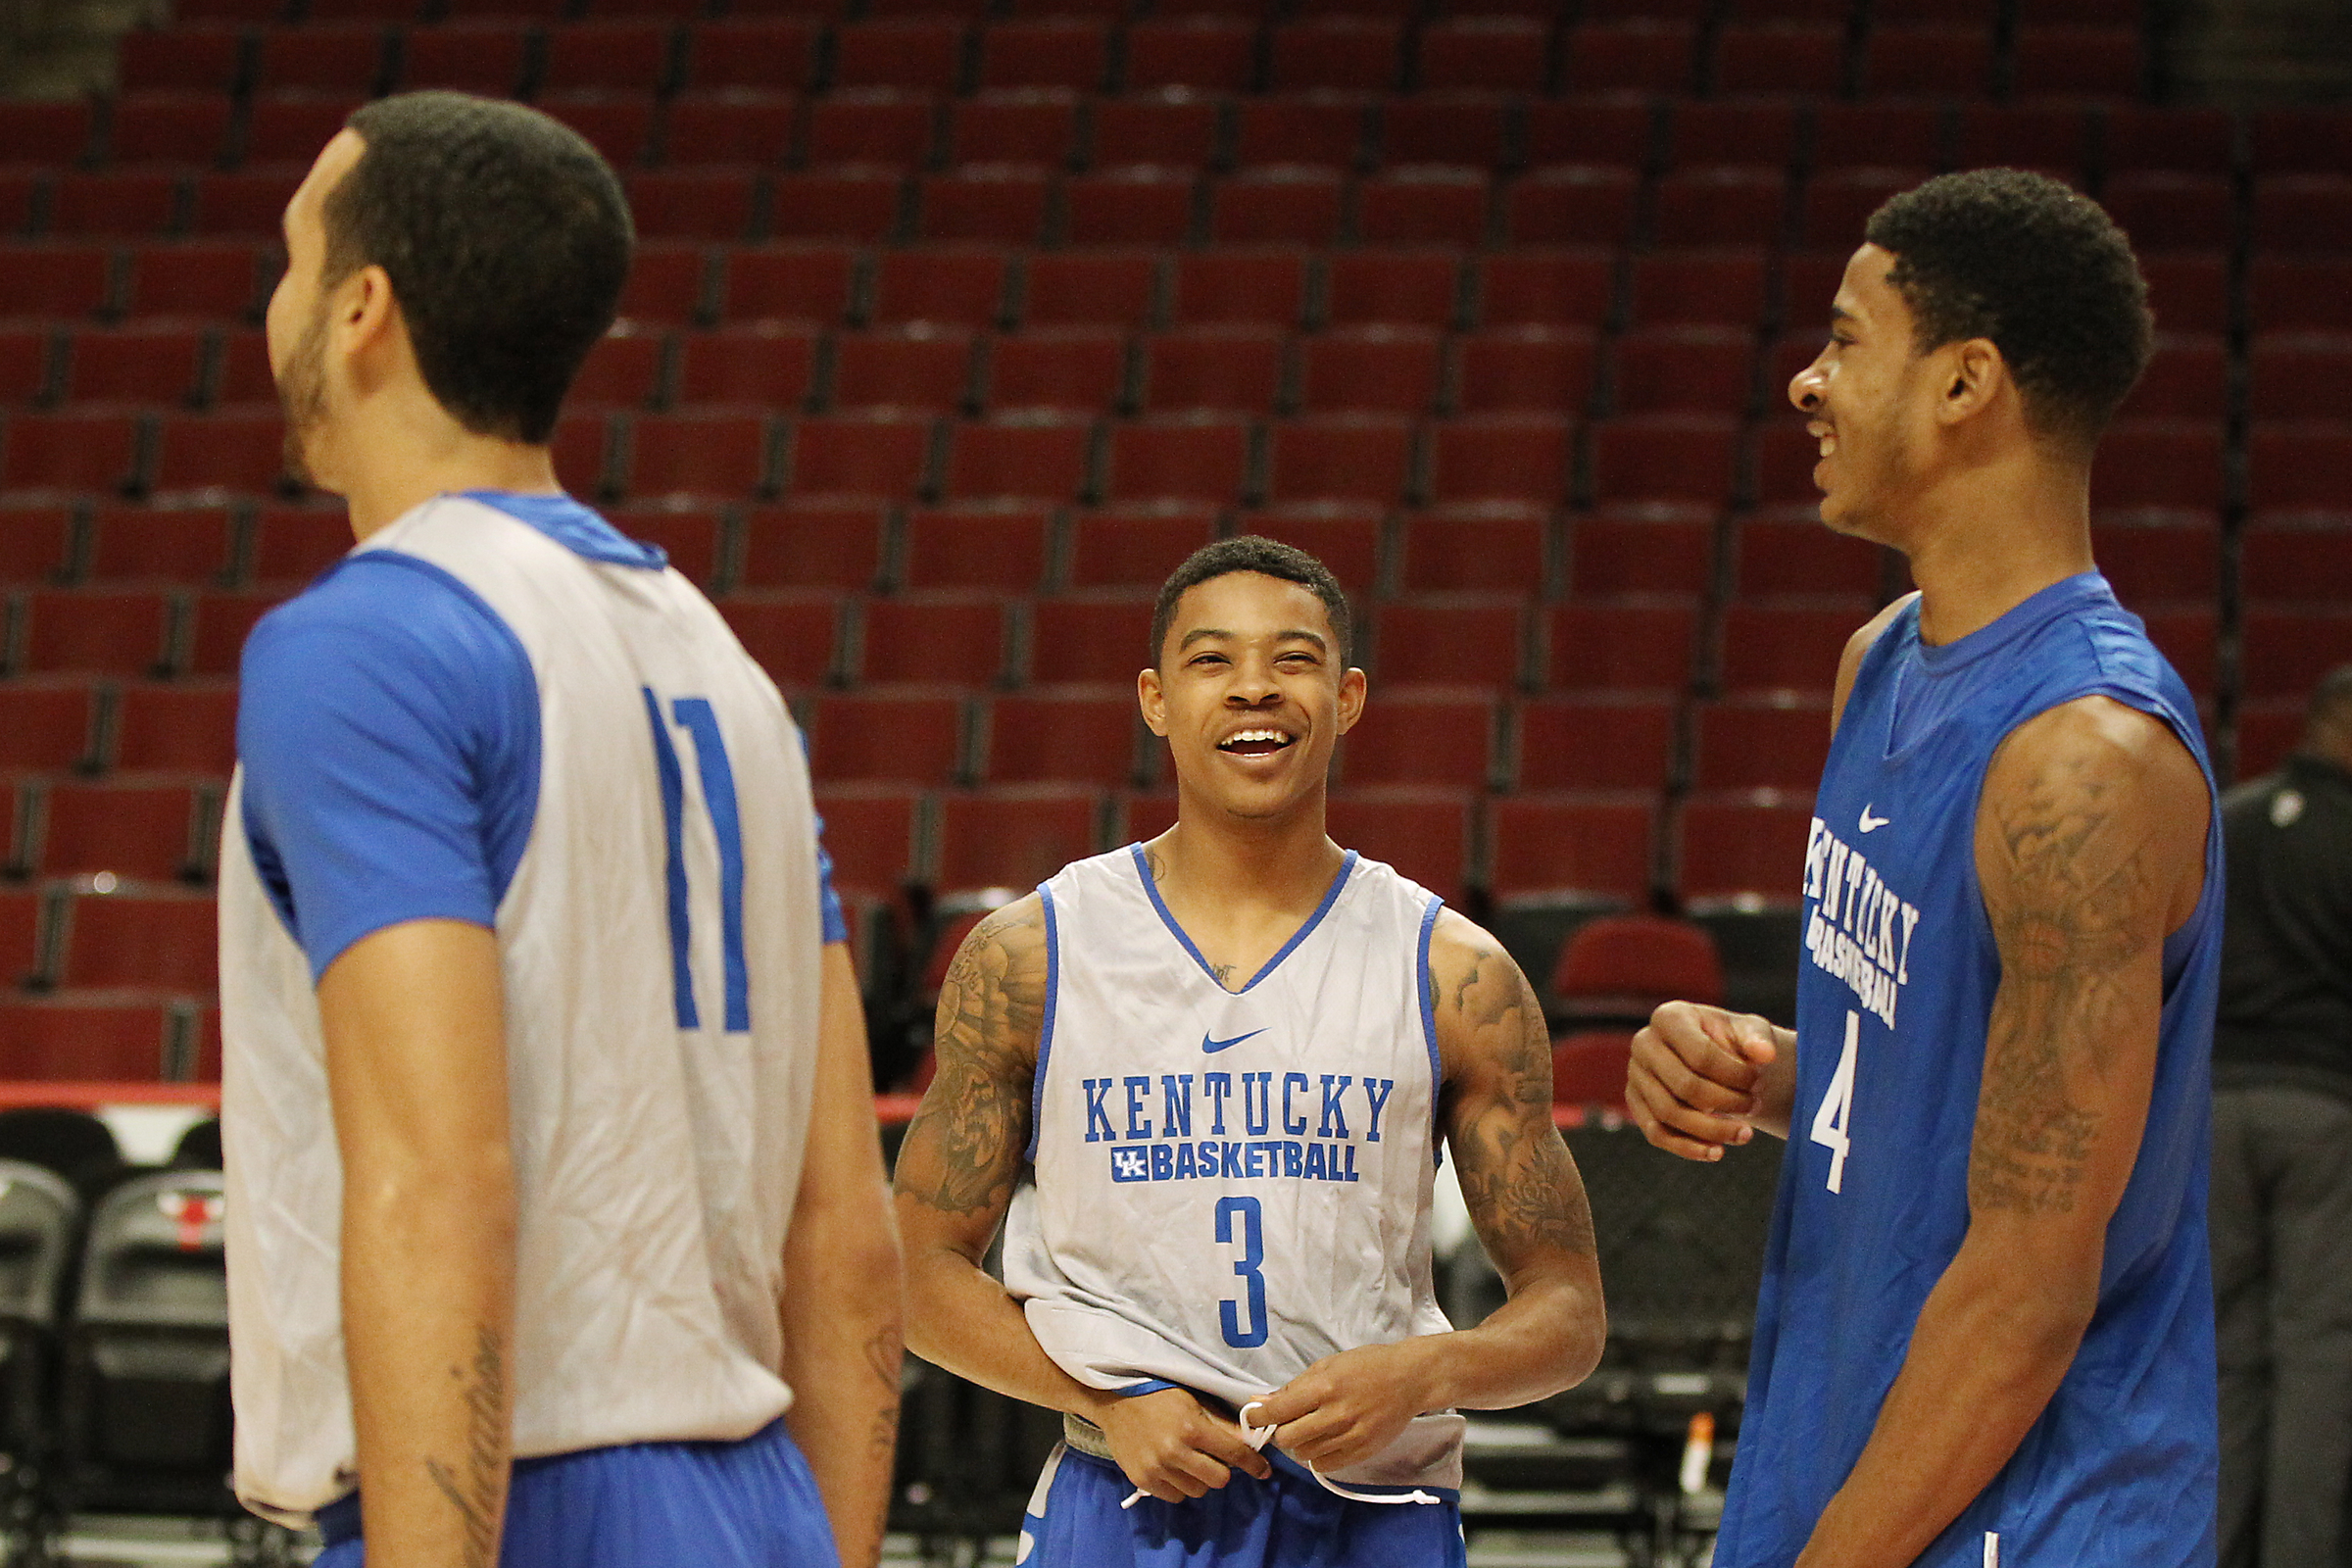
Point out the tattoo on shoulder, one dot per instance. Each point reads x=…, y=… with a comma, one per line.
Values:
x=2075, y=919
x=966, y=1141
x=476, y=1485
x=1518, y=1181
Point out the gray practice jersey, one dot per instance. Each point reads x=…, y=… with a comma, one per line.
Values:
x=1230, y=1186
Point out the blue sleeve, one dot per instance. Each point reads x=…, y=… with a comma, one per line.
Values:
x=388, y=725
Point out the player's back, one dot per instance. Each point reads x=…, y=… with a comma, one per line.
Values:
x=1894, y=999
x=650, y=843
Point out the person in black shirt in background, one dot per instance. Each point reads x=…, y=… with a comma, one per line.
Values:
x=2282, y=1207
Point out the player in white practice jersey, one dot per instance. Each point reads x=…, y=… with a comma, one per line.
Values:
x=1201, y=1084
x=551, y=1144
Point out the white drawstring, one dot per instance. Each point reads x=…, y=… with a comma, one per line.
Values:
x=1258, y=1437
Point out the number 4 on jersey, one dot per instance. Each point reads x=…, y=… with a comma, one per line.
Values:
x=1833, y=1122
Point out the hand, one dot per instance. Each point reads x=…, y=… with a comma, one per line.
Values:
x=1697, y=1078
x=1172, y=1447
x=1347, y=1407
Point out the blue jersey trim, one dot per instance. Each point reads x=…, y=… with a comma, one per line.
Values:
x=1428, y=1026
x=1146, y=1385
x=1331, y=896
x=577, y=528
x=1045, y=1027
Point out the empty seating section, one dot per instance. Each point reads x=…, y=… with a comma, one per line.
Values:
x=953, y=329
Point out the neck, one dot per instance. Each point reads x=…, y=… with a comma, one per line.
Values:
x=1986, y=541
x=409, y=449
x=1285, y=863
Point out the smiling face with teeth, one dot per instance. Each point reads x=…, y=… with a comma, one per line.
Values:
x=1251, y=696
x=1870, y=400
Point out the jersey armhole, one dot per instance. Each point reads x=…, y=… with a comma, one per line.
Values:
x=1429, y=1027
x=1045, y=1027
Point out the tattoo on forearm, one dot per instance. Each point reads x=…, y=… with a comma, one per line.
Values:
x=475, y=1491
x=884, y=1353
x=963, y=1152
x=1518, y=1181
x=2074, y=919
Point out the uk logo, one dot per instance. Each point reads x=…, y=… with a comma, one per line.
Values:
x=1129, y=1165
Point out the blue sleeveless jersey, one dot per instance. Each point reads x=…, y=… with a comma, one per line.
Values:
x=1897, y=990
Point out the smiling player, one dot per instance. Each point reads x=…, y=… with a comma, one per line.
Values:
x=1207, y=1076
x=1986, y=1330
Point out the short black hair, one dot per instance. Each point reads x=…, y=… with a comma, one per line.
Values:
x=1250, y=551
x=2036, y=267
x=507, y=240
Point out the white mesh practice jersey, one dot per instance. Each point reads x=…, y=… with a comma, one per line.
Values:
x=1230, y=1186
x=660, y=938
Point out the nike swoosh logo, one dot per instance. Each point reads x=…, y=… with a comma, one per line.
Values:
x=1870, y=823
x=1214, y=1045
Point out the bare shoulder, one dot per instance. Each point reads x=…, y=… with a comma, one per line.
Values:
x=1857, y=647
x=1480, y=996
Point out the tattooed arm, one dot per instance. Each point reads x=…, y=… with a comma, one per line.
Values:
x=2089, y=847
x=1527, y=1202
x=964, y=1154
x=841, y=1309
x=417, y=1069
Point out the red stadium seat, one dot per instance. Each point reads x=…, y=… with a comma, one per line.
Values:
x=1277, y=206
x=622, y=371
x=1067, y=371
x=769, y=54
x=1588, y=1067
x=165, y=941
x=1423, y=833
x=835, y=203
x=483, y=57
x=1063, y=52
x=915, y=369
x=2304, y=212
x=94, y=453
x=702, y=454
x=1721, y=207
x=881, y=455
x=832, y=544
x=731, y=125
x=56, y=133
x=1847, y=136
x=151, y=364
x=51, y=280
x=666, y=286
x=216, y=279
x=1091, y=640
x=1490, y=547
x=1325, y=131
x=767, y=365
x=998, y=548
x=2159, y=462
x=1786, y=647
x=345, y=57
x=1546, y=288
x=1452, y=640
x=2291, y=560
x=995, y=203
x=1789, y=57
x=2299, y=376
x=1647, y=55
x=1929, y=60
x=1777, y=745
x=584, y=452
x=606, y=57
x=1175, y=129
x=1337, y=54
x=1755, y=133
x=1684, y=370
x=1087, y=288
x=1500, y=457
x=72, y=1039
x=1135, y=549
x=128, y=204
x=1204, y=53
x=1529, y=369
x=617, y=124
x=1609, y=129
x=44, y=729
x=166, y=127
x=2077, y=62
x=1203, y=459
x=2166, y=211
x=1784, y=557
x=1485, y=53
x=2042, y=136
x=2299, y=467
x=2188, y=378
x=789, y=283
x=1667, y=456
x=1633, y=963
x=2187, y=140
x=2292, y=293
x=1358, y=456
x=145, y=832
x=1554, y=845
x=2158, y=557
x=1061, y=737
x=1377, y=370
x=1259, y=287
x=224, y=620
x=1724, y=286
x=1345, y=538
x=196, y=59
x=1742, y=846
x=1028, y=458
x=869, y=832
x=1421, y=738
x=704, y=203
x=1462, y=130
x=914, y=54
x=291, y=545
x=1134, y=205
x=20, y=952
x=138, y=542
x=944, y=639
x=1594, y=743
x=1652, y=549
x=2287, y=648
x=1570, y=203
x=688, y=536
x=35, y=543
x=177, y=728
x=1400, y=287
x=793, y=638
x=1014, y=838
x=872, y=738
x=1037, y=126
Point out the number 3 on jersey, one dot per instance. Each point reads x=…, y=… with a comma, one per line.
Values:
x=700, y=721
x=1833, y=1123
x=1253, y=1309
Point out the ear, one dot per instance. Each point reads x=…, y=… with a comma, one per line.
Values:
x=1152, y=700
x=1352, y=698
x=363, y=319
x=1973, y=375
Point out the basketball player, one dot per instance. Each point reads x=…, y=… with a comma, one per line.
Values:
x=550, y=1142
x=1986, y=1332
x=1201, y=1083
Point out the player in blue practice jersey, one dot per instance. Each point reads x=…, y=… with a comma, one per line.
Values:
x=1201, y=1084
x=1986, y=1330
x=556, y=1226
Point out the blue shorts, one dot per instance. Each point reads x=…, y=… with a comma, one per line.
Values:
x=1075, y=1521
x=748, y=1504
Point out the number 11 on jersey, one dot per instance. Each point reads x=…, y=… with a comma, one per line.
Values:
x=1833, y=1123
